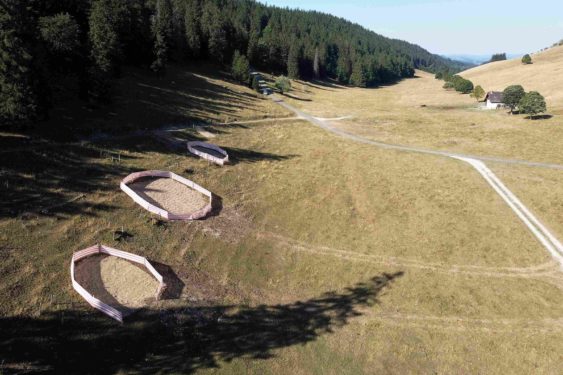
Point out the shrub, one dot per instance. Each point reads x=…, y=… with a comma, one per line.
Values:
x=448, y=85
x=532, y=103
x=439, y=75
x=283, y=84
x=526, y=59
x=512, y=96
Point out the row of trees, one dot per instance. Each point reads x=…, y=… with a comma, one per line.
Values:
x=455, y=82
x=47, y=43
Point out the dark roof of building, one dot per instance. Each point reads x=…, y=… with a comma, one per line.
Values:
x=495, y=96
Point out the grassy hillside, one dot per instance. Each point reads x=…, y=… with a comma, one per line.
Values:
x=326, y=257
x=544, y=75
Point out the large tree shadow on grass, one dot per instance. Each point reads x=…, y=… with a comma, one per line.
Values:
x=141, y=101
x=54, y=179
x=175, y=340
x=240, y=155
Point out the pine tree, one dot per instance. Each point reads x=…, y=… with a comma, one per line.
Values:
x=343, y=66
x=106, y=48
x=18, y=101
x=316, y=64
x=104, y=36
x=162, y=31
x=212, y=23
x=359, y=74
x=60, y=32
x=293, y=61
x=240, y=68
x=193, y=27
x=252, y=51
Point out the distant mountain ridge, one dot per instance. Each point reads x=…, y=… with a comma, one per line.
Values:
x=477, y=59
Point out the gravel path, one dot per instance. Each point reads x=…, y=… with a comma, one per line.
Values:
x=323, y=124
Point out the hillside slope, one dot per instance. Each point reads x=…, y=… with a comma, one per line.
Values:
x=544, y=75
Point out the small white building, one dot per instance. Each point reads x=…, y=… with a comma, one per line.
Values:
x=494, y=100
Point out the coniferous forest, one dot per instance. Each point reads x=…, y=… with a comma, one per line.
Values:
x=89, y=41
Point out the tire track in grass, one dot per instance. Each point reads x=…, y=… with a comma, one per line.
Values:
x=458, y=323
x=545, y=271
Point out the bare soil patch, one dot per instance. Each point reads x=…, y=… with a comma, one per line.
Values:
x=116, y=281
x=169, y=195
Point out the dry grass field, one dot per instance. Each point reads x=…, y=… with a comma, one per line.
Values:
x=325, y=257
x=418, y=112
x=544, y=75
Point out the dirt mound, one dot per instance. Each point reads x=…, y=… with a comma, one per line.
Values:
x=169, y=195
x=116, y=281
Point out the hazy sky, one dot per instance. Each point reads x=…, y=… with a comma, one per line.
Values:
x=454, y=26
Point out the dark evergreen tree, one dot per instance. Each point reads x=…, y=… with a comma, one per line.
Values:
x=192, y=27
x=60, y=32
x=293, y=61
x=343, y=66
x=359, y=74
x=212, y=25
x=240, y=68
x=18, y=100
x=104, y=25
x=162, y=30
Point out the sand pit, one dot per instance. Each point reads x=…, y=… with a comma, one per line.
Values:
x=168, y=195
x=114, y=281
x=209, y=152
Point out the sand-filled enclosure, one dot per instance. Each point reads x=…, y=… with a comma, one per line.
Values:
x=114, y=281
x=209, y=152
x=168, y=195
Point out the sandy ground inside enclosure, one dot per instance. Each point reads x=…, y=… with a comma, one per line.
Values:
x=169, y=195
x=116, y=281
x=210, y=151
